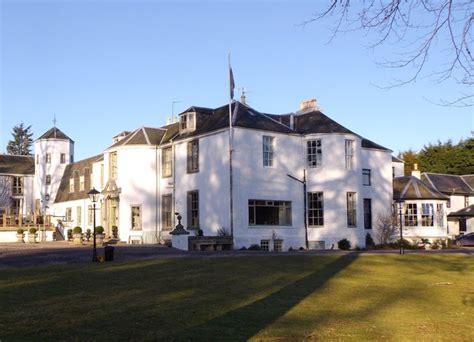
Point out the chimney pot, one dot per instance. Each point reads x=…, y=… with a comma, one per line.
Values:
x=308, y=104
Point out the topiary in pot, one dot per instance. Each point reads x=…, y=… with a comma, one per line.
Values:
x=88, y=235
x=20, y=236
x=99, y=235
x=77, y=233
x=32, y=235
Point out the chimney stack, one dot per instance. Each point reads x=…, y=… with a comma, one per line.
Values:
x=309, y=104
x=416, y=173
x=243, y=98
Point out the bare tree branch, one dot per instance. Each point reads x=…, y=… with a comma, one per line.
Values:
x=426, y=26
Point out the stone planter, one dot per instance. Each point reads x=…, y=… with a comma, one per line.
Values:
x=77, y=239
x=20, y=238
x=99, y=239
x=32, y=237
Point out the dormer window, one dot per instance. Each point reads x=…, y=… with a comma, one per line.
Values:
x=187, y=122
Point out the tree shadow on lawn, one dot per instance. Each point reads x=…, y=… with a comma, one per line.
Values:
x=244, y=322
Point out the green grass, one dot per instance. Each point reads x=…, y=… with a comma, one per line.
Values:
x=385, y=297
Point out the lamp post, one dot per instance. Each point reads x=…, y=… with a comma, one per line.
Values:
x=94, y=197
x=400, y=211
x=303, y=181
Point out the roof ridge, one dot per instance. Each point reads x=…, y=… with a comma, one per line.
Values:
x=17, y=155
x=442, y=174
x=145, y=134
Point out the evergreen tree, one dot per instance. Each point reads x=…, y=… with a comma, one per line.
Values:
x=21, y=142
x=410, y=158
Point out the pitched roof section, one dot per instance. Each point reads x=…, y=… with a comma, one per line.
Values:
x=469, y=179
x=63, y=194
x=449, y=184
x=397, y=160
x=55, y=133
x=210, y=120
x=17, y=165
x=464, y=212
x=412, y=188
x=142, y=136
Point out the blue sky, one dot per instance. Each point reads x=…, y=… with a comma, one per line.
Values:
x=104, y=66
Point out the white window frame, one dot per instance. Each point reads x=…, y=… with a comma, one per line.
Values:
x=314, y=153
x=285, y=212
x=316, y=213
x=268, y=149
x=427, y=215
x=366, y=177
x=411, y=215
x=349, y=153
x=139, y=220
x=166, y=162
x=351, y=204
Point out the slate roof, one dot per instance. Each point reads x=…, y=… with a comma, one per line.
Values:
x=469, y=179
x=142, y=136
x=464, y=212
x=449, y=184
x=55, y=133
x=17, y=165
x=412, y=188
x=397, y=160
x=63, y=194
x=247, y=117
x=210, y=120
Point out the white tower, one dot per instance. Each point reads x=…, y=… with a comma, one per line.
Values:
x=53, y=151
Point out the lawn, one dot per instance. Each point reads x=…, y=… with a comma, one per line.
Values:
x=383, y=297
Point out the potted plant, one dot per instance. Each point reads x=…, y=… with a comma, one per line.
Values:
x=77, y=234
x=88, y=235
x=99, y=235
x=115, y=232
x=20, y=236
x=32, y=235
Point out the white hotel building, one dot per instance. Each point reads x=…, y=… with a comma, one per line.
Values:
x=147, y=175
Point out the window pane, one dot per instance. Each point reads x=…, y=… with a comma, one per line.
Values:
x=267, y=151
x=314, y=153
x=315, y=209
x=269, y=213
x=351, y=210
x=367, y=213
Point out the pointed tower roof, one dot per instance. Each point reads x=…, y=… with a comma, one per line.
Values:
x=55, y=133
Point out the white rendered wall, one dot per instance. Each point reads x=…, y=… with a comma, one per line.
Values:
x=399, y=169
x=137, y=179
x=212, y=181
x=55, y=147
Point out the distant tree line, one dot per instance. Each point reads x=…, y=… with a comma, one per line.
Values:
x=454, y=159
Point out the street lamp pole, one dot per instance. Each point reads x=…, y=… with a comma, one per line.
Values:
x=94, y=197
x=303, y=181
x=400, y=212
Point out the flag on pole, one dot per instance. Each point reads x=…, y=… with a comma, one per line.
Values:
x=232, y=84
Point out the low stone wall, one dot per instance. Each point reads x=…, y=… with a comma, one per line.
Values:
x=10, y=236
x=210, y=243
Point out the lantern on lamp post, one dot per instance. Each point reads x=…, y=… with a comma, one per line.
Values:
x=94, y=197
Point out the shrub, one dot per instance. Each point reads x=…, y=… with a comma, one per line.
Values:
x=99, y=230
x=290, y=249
x=115, y=232
x=88, y=234
x=301, y=248
x=223, y=232
x=77, y=230
x=344, y=244
x=200, y=232
x=20, y=231
x=254, y=247
x=243, y=248
x=369, y=242
x=32, y=230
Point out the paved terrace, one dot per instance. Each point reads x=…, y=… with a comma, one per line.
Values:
x=61, y=252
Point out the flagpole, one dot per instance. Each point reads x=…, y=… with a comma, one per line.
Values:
x=231, y=185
